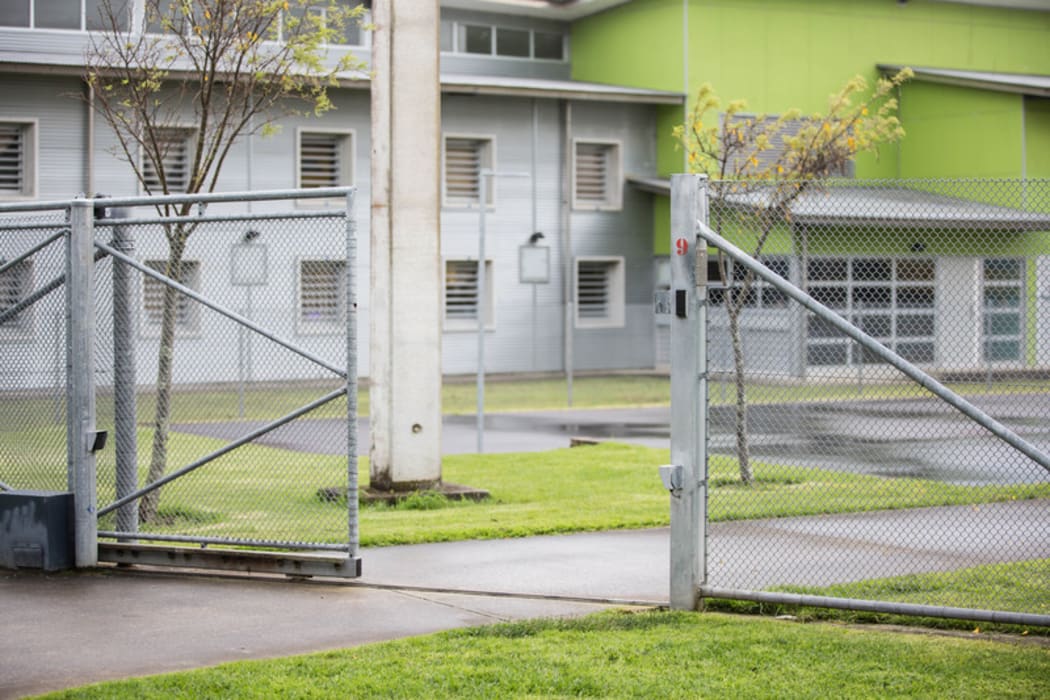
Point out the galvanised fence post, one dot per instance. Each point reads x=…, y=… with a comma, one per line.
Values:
x=80, y=380
x=124, y=402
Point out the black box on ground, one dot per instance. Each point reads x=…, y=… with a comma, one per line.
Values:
x=36, y=530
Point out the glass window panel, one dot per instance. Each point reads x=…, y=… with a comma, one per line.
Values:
x=914, y=326
x=915, y=270
x=871, y=270
x=871, y=297
x=997, y=269
x=1003, y=324
x=876, y=326
x=96, y=19
x=1002, y=350
x=820, y=328
x=827, y=270
x=916, y=352
x=915, y=297
x=826, y=354
x=57, y=14
x=773, y=298
x=779, y=266
x=14, y=13
x=548, y=45
x=833, y=297
x=512, y=42
x=865, y=356
x=474, y=38
x=1002, y=297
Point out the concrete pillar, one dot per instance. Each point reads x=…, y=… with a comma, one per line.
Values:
x=405, y=319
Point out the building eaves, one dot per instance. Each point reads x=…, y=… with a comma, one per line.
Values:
x=1020, y=83
x=882, y=205
x=565, y=10
x=561, y=89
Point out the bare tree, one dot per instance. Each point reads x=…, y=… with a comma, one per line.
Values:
x=206, y=73
x=766, y=164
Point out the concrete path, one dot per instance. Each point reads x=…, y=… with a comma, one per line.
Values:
x=64, y=630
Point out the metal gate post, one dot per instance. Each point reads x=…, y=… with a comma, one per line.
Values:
x=686, y=477
x=352, y=502
x=125, y=436
x=80, y=380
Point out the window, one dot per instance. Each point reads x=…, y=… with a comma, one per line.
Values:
x=16, y=283
x=325, y=159
x=17, y=159
x=187, y=314
x=596, y=176
x=461, y=295
x=174, y=146
x=507, y=42
x=322, y=296
x=465, y=158
x=65, y=14
x=890, y=299
x=761, y=294
x=766, y=159
x=1002, y=291
x=600, y=292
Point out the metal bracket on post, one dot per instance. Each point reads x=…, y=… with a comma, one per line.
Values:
x=686, y=477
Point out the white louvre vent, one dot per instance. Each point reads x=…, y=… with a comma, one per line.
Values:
x=186, y=314
x=12, y=159
x=321, y=160
x=174, y=147
x=464, y=160
x=322, y=293
x=596, y=176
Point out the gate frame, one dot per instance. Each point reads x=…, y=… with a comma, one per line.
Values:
x=686, y=477
x=82, y=437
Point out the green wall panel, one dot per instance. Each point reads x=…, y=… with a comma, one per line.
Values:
x=960, y=132
x=1037, y=138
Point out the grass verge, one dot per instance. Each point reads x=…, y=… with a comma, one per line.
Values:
x=645, y=654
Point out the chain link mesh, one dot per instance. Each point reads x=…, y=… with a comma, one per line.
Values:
x=915, y=499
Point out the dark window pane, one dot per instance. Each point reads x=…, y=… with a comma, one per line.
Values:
x=914, y=326
x=820, y=328
x=834, y=297
x=97, y=18
x=871, y=297
x=447, y=35
x=14, y=13
x=773, y=298
x=1003, y=324
x=512, y=42
x=865, y=356
x=1002, y=269
x=548, y=45
x=876, y=326
x=873, y=270
x=915, y=297
x=476, y=39
x=916, y=352
x=1002, y=298
x=1000, y=350
x=915, y=270
x=827, y=270
x=57, y=14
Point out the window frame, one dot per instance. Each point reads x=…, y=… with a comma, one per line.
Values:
x=307, y=326
x=29, y=176
x=987, y=336
x=613, y=199
x=460, y=323
x=188, y=141
x=616, y=290
x=191, y=328
x=456, y=32
x=487, y=161
x=347, y=147
x=82, y=23
x=21, y=327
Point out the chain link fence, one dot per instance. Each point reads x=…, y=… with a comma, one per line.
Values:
x=212, y=454
x=917, y=502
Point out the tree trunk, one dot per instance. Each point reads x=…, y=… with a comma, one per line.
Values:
x=743, y=449
x=162, y=416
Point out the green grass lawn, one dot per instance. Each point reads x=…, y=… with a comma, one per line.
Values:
x=624, y=654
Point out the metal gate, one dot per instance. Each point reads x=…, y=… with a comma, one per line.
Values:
x=194, y=333
x=891, y=486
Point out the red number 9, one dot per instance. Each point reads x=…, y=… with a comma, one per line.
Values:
x=681, y=246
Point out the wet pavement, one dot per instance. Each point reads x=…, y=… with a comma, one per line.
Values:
x=69, y=629
x=917, y=439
